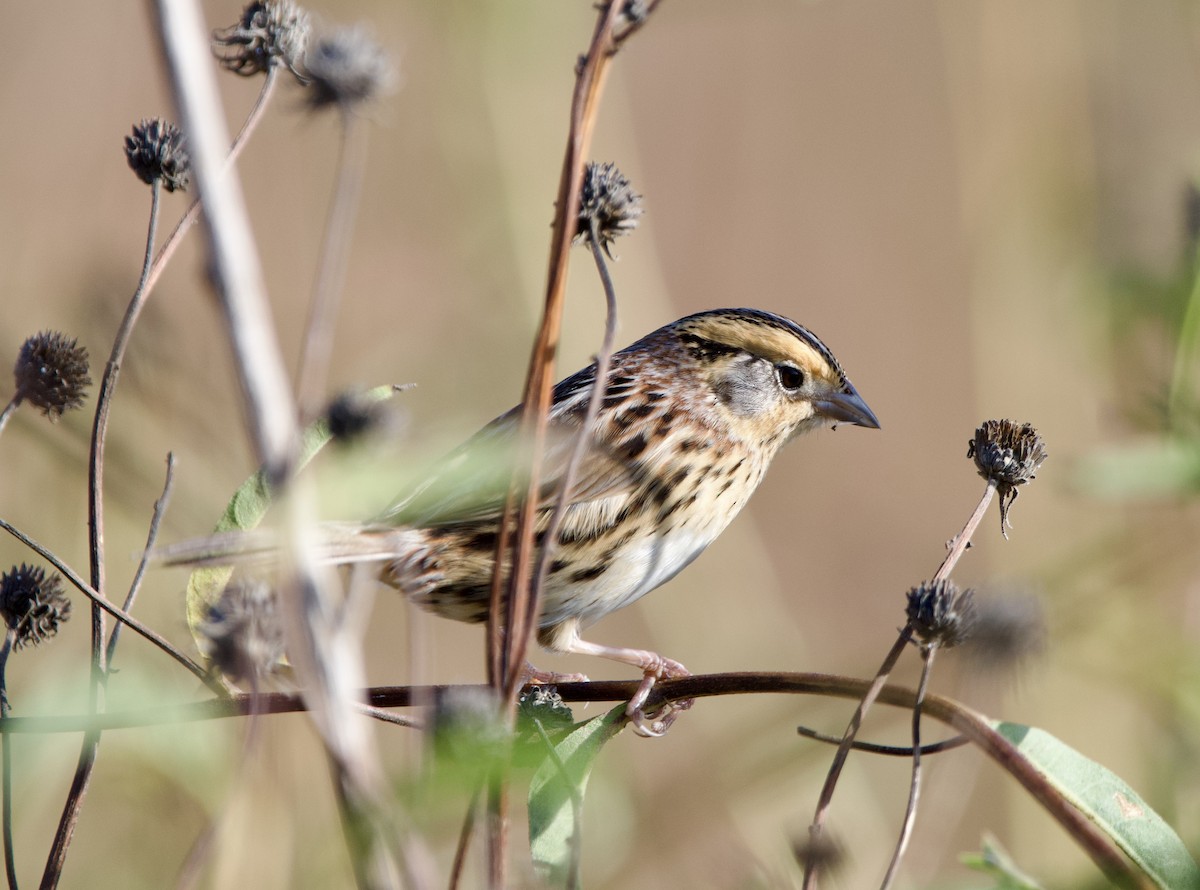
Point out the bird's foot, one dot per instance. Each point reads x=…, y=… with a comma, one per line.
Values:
x=657, y=722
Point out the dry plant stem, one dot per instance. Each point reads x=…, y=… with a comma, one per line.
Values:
x=10, y=862
x=914, y=789
x=91, y=741
x=508, y=639
x=974, y=726
x=331, y=270
x=160, y=507
x=326, y=667
x=464, y=841
x=193, y=212
x=958, y=546
x=509, y=627
x=8, y=412
x=583, y=439
x=83, y=587
x=949, y=744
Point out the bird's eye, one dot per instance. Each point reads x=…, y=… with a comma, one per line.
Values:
x=790, y=377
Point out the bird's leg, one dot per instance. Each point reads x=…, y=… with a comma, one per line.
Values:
x=550, y=678
x=564, y=638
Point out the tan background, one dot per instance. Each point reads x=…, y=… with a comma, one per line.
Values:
x=945, y=192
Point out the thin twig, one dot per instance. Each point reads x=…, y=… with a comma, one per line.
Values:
x=509, y=625
x=464, y=840
x=583, y=440
x=86, y=589
x=971, y=724
x=317, y=346
x=8, y=411
x=249, y=125
x=10, y=861
x=914, y=788
x=160, y=507
x=958, y=546
x=91, y=741
x=949, y=744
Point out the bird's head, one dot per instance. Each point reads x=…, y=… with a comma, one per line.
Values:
x=772, y=378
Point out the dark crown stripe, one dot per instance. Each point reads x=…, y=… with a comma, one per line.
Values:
x=770, y=319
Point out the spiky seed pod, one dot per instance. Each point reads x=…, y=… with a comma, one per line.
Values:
x=940, y=614
x=347, y=68
x=609, y=199
x=242, y=633
x=1008, y=454
x=32, y=604
x=52, y=373
x=155, y=151
x=270, y=32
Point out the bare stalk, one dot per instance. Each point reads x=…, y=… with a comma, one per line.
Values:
x=8, y=412
x=958, y=546
x=10, y=862
x=914, y=788
x=331, y=271
x=125, y=618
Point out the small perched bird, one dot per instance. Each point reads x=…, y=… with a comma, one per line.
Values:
x=691, y=417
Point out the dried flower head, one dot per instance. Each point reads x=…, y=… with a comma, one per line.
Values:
x=608, y=200
x=156, y=151
x=242, y=634
x=1009, y=455
x=347, y=68
x=271, y=32
x=52, y=373
x=351, y=415
x=1007, y=630
x=33, y=604
x=940, y=614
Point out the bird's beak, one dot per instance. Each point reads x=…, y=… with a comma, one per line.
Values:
x=847, y=406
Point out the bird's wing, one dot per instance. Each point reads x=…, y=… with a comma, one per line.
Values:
x=470, y=484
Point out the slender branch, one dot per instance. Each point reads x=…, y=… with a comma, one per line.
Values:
x=249, y=125
x=958, y=547
x=8, y=411
x=464, y=841
x=86, y=589
x=331, y=270
x=949, y=744
x=914, y=789
x=583, y=440
x=160, y=507
x=973, y=725
x=10, y=861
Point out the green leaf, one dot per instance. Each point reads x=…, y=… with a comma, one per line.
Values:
x=1116, y=808
x=994, y=860
x=556, y=798
x=246, y=510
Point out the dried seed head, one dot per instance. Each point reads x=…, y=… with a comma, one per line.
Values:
x=52, y=373
x=242, y=634
x=351, y=415
x=347, y=68
x=32, y=604
x=156, y=151
x=1009, y=455
x=609, y=200
x=1007, y=630
x=545, y=705
x=271, y=32
x=940, y=614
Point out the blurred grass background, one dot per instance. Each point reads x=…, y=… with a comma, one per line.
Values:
x=979, y=206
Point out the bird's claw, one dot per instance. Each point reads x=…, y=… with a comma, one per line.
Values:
x=657, y=722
